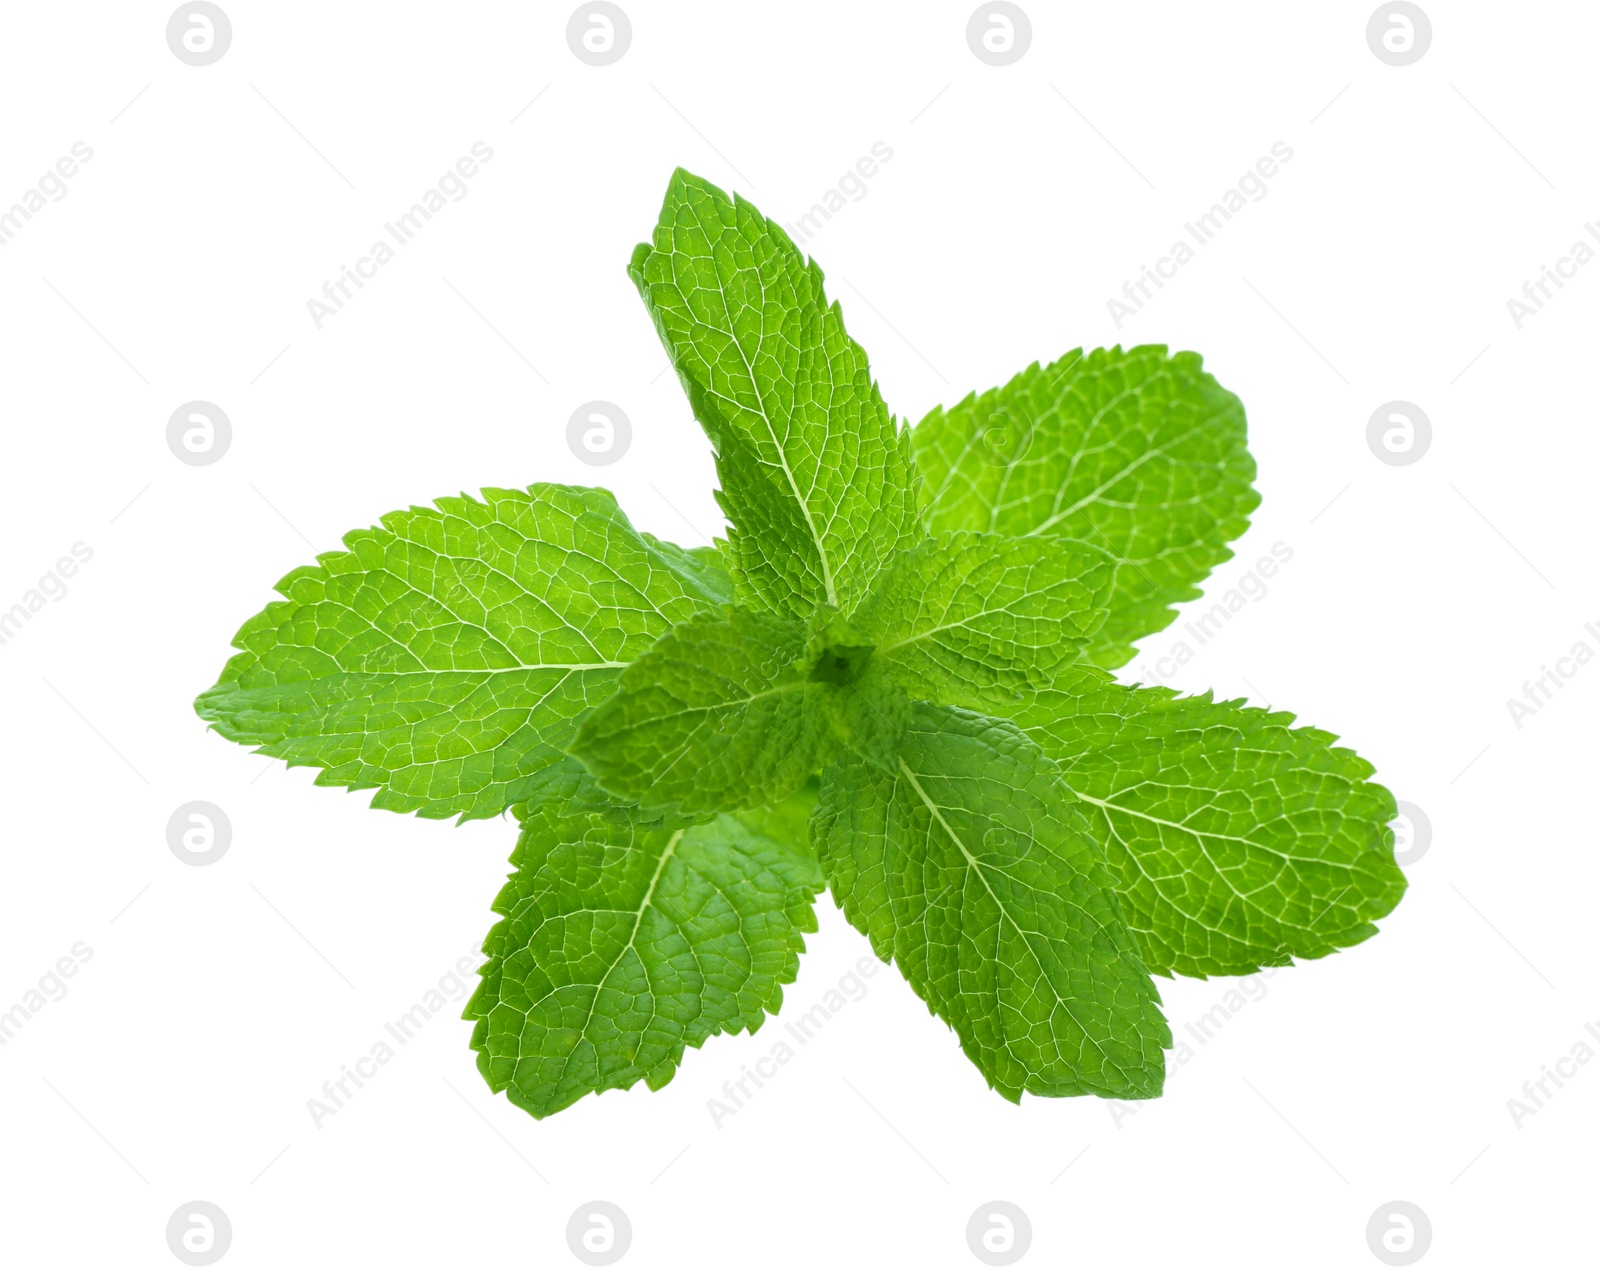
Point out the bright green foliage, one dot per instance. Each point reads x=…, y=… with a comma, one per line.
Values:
x=817, y=479
x=973, y=870
x=445, y=657
x=733, y=710
x=1137, y=452
x=621, y=943
x=1237, y=840
x=964, y=616
x=891, y=678
x=718, y=715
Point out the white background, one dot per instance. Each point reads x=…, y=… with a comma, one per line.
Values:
x=1378, y=266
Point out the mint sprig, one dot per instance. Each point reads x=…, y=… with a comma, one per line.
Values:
x=892, y=679
x=621, y=941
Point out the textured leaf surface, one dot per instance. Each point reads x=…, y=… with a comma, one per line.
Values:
x=731, y=710
x=971, y=868
x=1135, y=451
x=720, y=714
x=965, y=614
x=1237, y=840
x=702, y=568
x=621, y=943
x=817, y=479
x=445, y=656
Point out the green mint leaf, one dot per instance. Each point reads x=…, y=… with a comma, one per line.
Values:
x=789, y=821
x=1137, y=452
x=868, y=715
x=444, y=658
x=656, y=716
x=965, y=616
x=622, y=943
x=701, y=568
x=735, y=709
x=1237, y=840
x=718, y=715
x=817, y=479
x=972, y=869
